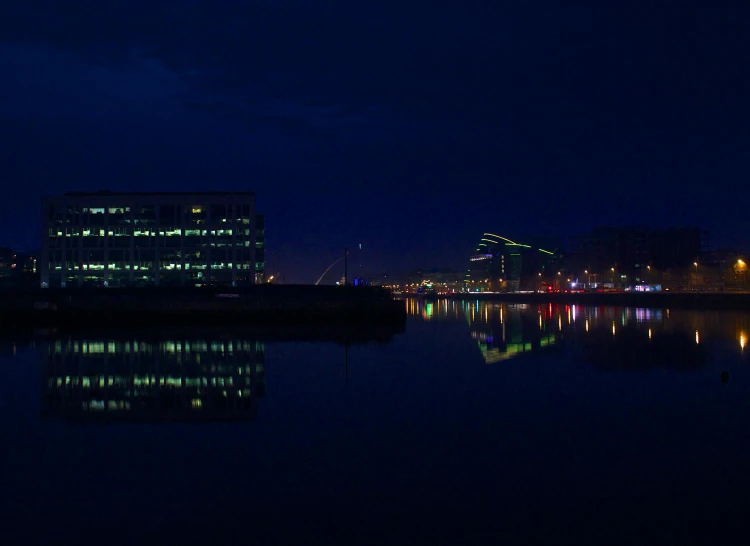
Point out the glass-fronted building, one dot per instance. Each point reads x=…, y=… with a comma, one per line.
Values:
x=503, y=265
x=149, y=239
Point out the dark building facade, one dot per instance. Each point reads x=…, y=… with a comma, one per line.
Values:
x=142, y=239
x=678, y=247
x=17, y=268
x=260, y=249
x=6, y=262
x=616, y=253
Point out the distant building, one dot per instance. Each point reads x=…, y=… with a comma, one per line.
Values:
x=626, y=249
x=678, y=247
x=631, y=253
x=17, y=268
x=6, y=262
x=435, y=279
x=503, y=265
x=732, y=266
x=139, y=239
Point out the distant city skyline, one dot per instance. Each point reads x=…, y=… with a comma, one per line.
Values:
x=360, y=264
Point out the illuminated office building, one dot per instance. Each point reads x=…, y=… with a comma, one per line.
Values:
x=149, y=239
x=145, y=380
x=501, y=264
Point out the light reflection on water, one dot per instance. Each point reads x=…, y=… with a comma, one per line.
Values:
x=134, y=380
x=529, y=424
x=507, y=330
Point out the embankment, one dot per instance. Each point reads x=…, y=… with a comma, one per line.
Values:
x=674, y=300
x=267, y=304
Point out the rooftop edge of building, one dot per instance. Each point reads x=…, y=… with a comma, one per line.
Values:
x=102, y=193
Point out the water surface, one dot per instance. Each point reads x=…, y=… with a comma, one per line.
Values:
x=483, y=422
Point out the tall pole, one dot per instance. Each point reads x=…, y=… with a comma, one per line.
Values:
x=346, y=268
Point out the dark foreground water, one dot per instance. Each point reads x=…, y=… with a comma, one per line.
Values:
x=483, y=423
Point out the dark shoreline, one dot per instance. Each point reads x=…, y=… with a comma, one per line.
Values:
x=665, y=300
x=260, y=305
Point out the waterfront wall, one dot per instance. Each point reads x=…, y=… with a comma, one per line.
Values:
x=676, y=300
x=261, y=304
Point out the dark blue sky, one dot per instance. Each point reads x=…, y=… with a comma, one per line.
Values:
x=410, y=127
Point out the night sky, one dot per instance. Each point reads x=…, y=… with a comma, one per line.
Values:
x=410, y=127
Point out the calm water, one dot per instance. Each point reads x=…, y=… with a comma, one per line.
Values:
x=482, y=423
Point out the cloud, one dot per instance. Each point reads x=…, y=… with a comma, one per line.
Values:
x=388, y=56
x=136, y=57
x=40, y=81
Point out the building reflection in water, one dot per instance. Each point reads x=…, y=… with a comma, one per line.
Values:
x=607, y=337
x=502, y=331
x=136, y=380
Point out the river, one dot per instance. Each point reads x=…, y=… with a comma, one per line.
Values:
x=482, y=422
